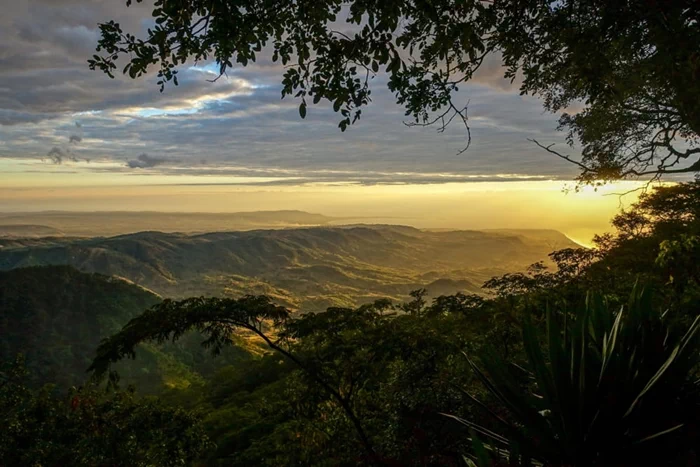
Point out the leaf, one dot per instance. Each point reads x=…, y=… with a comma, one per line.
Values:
x=482, y=456
x=654, y=379
x=661, y=433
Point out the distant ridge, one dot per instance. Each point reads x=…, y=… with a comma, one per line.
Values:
x=111, y=223
x=579, y=243
x=28, y=230
x=306, y=268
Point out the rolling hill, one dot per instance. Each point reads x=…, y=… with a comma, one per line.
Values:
x=28, y=231
x=304, y=268
x=56, y=317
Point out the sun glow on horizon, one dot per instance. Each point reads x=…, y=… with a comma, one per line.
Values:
x=477, y=204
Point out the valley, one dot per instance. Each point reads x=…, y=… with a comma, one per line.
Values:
x=307, y=269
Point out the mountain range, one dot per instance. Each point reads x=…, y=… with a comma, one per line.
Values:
x=110, y=223
x=303, y=268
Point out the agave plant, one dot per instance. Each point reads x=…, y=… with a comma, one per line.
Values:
x=601, y=388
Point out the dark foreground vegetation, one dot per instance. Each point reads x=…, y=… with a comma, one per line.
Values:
x=592, y=363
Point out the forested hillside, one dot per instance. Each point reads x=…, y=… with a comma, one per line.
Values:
x=427, y=381
x=308, y=269
x=56, y=317
x=594, y=362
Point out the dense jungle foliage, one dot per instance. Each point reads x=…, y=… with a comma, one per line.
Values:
x=592, y=363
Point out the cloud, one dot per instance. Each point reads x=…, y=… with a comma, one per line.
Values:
x=492, y=73
x=50, y=99
x=76, y=137
x=144, y=161
x=58, y=155
x=10, y=117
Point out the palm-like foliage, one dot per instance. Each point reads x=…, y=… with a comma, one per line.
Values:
x=601, y=388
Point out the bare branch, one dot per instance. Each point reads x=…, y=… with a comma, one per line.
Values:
x=560, y=155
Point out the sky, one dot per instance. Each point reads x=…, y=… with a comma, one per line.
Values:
x=73, y=139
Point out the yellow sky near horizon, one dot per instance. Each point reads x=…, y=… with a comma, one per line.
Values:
x=463, y=205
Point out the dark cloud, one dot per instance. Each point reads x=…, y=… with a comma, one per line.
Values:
x=364, y=179
x=10, y=117
x=144, y=161
x=48, y=96
x=58, y=155
x=77, y=136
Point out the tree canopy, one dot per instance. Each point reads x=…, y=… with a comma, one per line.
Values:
x=633, y=65
x=89, y=427
x=591, y=362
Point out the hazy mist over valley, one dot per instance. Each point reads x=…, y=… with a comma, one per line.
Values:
x=310, y=267
x=465, y=206
x=111, y=223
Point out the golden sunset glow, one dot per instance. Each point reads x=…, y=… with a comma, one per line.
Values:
x=541, y=204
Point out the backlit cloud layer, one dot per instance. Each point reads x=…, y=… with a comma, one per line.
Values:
x=53, y=108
